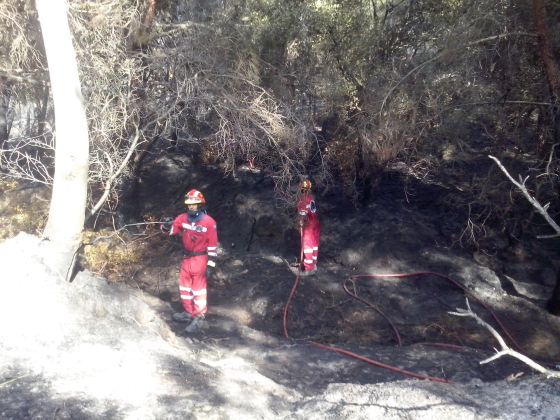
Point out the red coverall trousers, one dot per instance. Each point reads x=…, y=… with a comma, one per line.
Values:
x=310, y=244
x=311, y=230
x=192, y=284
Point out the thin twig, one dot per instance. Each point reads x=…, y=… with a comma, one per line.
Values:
x=14, y=379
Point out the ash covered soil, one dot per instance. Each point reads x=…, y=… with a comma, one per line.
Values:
x=108, y=347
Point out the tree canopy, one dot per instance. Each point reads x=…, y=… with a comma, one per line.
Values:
x=345, y=91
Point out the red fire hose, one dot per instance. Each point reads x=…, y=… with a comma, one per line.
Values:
x=397, y=336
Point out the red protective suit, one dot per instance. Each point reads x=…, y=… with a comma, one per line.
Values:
x=200, y=242
x=311, y=230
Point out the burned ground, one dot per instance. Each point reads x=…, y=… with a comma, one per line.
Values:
x=393, y=233
x=240, y=362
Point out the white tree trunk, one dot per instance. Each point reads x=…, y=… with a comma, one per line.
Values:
x=68, y=202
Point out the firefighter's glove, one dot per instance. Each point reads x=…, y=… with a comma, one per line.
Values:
x=211, y=266
x=166, y=224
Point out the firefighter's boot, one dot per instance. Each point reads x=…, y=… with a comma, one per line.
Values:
x=182, y=317
x=311, y=272
x=195, y=324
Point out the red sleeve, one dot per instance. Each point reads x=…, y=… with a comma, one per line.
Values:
x=212, y=238
x=177, y=226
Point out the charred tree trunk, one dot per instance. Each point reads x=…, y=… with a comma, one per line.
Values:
x=550, y=66
x=552, y=72
x=551, y=69
x=42, y=111
x=4, y=105
x=150, y=13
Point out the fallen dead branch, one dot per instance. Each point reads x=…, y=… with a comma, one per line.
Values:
x=505, y=349
x=543, y=210
x=14, y=379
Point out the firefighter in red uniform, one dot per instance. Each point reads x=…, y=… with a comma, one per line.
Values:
x=310, y=228
x=200, y=243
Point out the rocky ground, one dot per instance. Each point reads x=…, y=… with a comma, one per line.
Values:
x=107, y=347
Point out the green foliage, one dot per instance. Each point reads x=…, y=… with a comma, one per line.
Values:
x=395, y=86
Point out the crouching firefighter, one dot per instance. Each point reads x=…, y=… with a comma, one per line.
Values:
x=310, y=228
x=200, y=244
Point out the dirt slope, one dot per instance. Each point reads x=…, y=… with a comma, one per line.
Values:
x=93, y=349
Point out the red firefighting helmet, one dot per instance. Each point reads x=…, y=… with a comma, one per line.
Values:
x=305, y=185
x=194, y=197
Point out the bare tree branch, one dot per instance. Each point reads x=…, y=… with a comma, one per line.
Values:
x=113, y=176
x=505, y=350
x=24, y=77
x=28, y=158
x=521, y=186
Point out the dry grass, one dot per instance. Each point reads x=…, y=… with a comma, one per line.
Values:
x=119, y=255
x=108, y=253
x=22, y=209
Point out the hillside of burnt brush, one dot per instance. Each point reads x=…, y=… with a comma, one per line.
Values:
x=406, y=227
